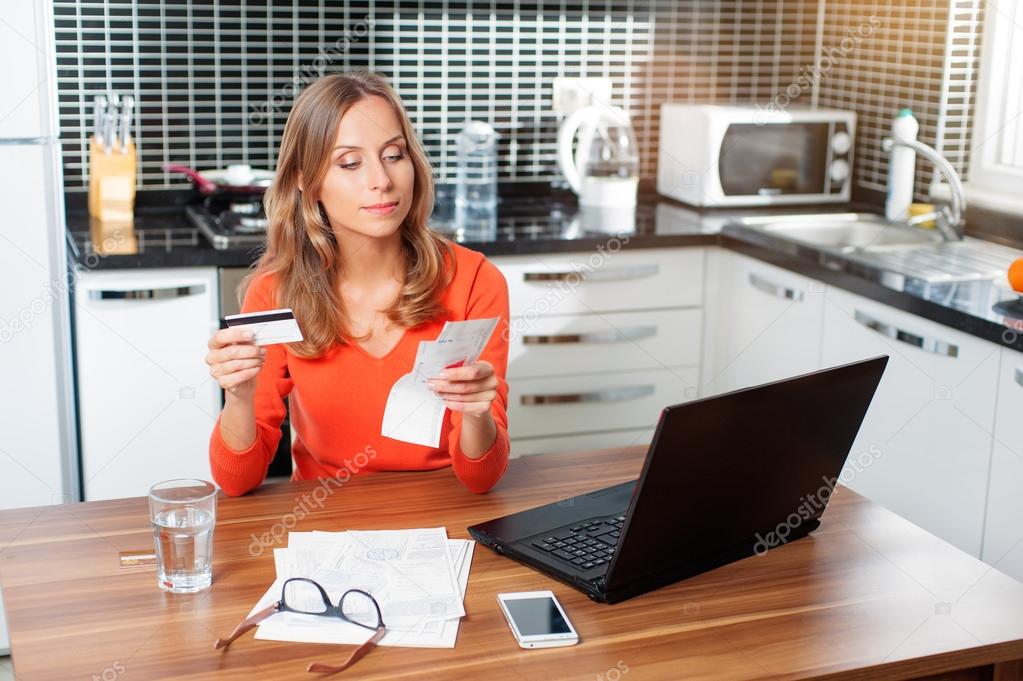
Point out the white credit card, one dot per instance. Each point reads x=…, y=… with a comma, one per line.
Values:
x=269, y=327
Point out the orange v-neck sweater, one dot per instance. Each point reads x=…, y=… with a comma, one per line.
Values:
x=337, y=400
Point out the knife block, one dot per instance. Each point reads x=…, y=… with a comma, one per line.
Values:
x=113, y=237
x=112, y=185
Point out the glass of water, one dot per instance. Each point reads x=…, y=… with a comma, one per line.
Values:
x=183, y=513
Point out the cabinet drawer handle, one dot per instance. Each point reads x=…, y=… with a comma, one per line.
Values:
x=602, y=274
x=629, y=392
x=148, y=293
x=933, y=345
x=1019, y=375
x=776, y=290
x=612, y=336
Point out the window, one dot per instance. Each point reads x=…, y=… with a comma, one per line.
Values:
x=996, y=156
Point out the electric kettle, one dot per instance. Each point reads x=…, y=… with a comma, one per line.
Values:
x=604, y=168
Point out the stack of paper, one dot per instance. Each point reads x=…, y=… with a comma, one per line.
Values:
x=417, y=576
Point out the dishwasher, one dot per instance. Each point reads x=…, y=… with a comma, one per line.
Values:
x=230, y=279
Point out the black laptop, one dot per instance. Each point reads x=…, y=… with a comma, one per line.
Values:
x=725, y=477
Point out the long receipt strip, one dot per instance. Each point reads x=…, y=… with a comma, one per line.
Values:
x=413, y=412
x=418, y=577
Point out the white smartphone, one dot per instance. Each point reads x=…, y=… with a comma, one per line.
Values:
x=537, y=619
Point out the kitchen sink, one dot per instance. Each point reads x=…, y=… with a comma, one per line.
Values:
x=945, y=262
x=843, y=232
x=902, y=255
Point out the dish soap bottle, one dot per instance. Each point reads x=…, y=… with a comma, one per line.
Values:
x=901, y=167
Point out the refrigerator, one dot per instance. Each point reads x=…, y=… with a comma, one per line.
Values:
x=38, y=451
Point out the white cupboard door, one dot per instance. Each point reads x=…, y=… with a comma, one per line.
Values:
x=924, y=448
x=147, y=402
x=602, y=281
x=587, y=403
x=1003, y=532
x=766, y=324
x=609, y=341
x=581, y=442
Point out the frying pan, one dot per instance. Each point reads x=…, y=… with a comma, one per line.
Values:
x=235, y=179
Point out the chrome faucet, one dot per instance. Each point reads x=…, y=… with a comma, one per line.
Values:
x=950, y=219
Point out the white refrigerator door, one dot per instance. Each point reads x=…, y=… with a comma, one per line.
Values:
x=34, y=328
x=25, y=52
x=38, y=454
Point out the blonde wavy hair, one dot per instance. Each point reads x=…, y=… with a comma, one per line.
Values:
x=301, y=248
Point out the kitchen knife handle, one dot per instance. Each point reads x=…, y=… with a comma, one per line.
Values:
x=109, y=126
x=127, y=111
x=99, y=117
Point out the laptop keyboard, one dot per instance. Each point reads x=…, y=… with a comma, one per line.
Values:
x=585, y=545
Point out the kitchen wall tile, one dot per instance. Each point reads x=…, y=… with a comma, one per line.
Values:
x=921, y=54
x=215, y=82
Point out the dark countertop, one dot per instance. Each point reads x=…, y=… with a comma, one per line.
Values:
x=966, y=306
x=551, y=222
x=525, y=224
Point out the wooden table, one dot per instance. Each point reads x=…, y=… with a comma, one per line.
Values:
x=868, y=596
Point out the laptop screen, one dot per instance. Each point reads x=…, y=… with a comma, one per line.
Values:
x=743, y=470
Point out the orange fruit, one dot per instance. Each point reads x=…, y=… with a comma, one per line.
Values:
x=1016, y=275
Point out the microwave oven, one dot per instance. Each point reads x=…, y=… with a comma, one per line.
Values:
x=710, y=155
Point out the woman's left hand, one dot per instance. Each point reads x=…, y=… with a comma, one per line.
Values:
x=469, y=389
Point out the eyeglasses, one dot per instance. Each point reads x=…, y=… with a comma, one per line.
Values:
x=306, y=597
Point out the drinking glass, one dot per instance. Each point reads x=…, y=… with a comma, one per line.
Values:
x=183, y=513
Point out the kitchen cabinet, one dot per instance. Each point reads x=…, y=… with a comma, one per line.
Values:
x=609, y=341
x=585, y=403
x=581, y=442
x=763, y=323
x=924, y=448
x=599, y=343
x=604, y=280
x=147, y=404
x=1003, y=530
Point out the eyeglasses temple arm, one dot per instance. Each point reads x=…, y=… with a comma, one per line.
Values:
x=359, y=653
x=247, y=623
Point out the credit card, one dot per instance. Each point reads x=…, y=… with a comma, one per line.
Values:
x=270, y=327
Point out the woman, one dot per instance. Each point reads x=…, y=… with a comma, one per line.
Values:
x=348, y=250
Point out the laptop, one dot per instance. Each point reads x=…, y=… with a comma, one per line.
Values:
x=725, y=477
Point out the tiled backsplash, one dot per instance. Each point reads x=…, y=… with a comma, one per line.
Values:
x=921, y=54
x=215, y=81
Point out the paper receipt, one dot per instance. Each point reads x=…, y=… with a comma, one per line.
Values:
x=413, y=412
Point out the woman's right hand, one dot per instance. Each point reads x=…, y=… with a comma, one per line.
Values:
x=235, y=361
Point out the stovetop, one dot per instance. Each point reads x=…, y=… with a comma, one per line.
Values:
x=230, y=222
x=174, y=228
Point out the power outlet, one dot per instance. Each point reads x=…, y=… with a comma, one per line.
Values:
x=575, y=93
